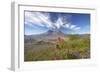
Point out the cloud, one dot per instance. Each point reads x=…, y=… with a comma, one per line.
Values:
x=38, y=18
x=58, y=23
x=71, y=26
x=77, y=28
x=43, y=19
x=67, y=25
x=32, y=18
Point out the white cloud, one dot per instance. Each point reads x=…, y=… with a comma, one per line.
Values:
x=31, y=18
x=67, y=25
x=58, y=23
x=77, y=28
x=43, y=20
x=71, y=26
x=39, y=18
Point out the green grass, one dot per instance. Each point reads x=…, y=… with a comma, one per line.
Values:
x=72, y=48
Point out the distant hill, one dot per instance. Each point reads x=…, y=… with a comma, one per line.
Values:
x=51, y=34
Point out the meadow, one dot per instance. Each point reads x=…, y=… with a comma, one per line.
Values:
x=67, y=48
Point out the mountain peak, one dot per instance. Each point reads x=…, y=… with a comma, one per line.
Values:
x=55, y=32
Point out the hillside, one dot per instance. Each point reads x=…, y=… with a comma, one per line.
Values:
x=56, y=45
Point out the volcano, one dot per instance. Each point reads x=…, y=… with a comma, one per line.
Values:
x=55, y=32
x=50, y=34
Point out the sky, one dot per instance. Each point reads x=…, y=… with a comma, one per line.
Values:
x=68, y=23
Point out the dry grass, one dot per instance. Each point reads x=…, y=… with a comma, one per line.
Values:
x=72, y=48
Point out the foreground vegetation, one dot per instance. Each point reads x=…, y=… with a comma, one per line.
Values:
x=72, y=47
